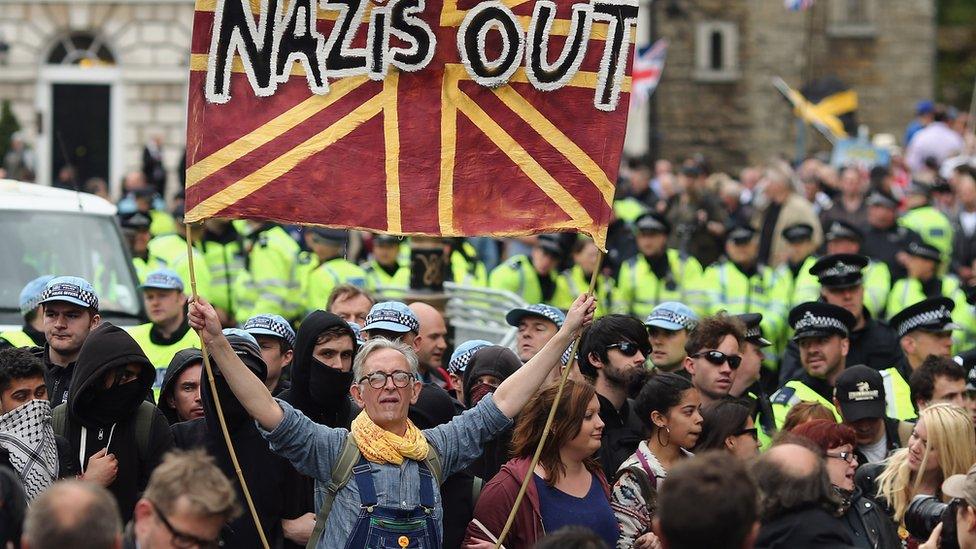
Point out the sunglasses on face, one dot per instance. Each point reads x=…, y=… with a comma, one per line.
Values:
x=626, y=348
x=752, y=432
x=718, y=358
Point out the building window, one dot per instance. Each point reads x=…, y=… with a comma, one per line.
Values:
x=82, y=49
x=852, y=18
x=716, y=52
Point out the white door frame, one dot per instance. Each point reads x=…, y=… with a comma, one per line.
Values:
x=48, y=76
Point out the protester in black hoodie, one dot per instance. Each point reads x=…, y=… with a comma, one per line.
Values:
x=321, y=374
x=486, y=370
x=179, y=398
x=105, y=409
x=263, y=470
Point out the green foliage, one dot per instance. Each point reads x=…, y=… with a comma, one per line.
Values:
x=8, y=126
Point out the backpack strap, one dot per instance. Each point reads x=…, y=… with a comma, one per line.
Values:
x=59, y=419
x=144, y=422
x=433, y=461
x=477, y=483
x=341, y=473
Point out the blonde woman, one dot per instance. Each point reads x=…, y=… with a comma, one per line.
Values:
x=943, y=444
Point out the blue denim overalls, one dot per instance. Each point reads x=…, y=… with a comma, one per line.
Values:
x=380, y=527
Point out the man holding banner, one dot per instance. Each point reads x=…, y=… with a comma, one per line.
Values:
x=386, y=383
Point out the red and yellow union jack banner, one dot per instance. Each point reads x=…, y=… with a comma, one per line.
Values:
x=436, y=117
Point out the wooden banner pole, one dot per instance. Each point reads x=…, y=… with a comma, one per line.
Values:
x=220, y=411
x=549, y=420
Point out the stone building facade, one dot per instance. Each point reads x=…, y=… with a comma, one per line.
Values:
x=85, y=71
x=716, y=95
x=77, y=71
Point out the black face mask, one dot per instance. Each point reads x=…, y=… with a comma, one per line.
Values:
x=117, y=402
x=234, y=412
x=326, y=384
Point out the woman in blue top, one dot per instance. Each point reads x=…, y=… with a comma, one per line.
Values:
x=568, y=486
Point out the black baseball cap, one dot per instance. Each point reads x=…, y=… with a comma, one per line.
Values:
x=840, y=270
x=817, y=319
x=861, y=393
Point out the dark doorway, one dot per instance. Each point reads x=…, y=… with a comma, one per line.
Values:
x=80, y=136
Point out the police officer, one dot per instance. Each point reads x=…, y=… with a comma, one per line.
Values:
x=167, y=331
x=32, y=332
x=531, y=278
x=738, y=283
x=384, y=269
x=467, y=269
x=324, y=268
x=924, y=329
x=800, y=248
x=746, y=383
x=931, y=224
x=924, y=281
x=821, y=331
x=269, y=284
x=576, y=280
x=668, y=327
x=873, y=344
x=135, y=230
x=657, y=273
x=885, y=240
x=223, y=247
x=845, y=238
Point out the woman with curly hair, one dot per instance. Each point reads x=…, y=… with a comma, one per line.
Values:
x=943, y=444
x=567, y=489
x=670, y=407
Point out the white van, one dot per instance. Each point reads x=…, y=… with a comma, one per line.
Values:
x=44, y=230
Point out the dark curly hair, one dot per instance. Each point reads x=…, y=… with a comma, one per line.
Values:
x=712, y=330
x=18, y=363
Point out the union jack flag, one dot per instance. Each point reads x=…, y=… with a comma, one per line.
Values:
x=648, y=68
x=798, y=5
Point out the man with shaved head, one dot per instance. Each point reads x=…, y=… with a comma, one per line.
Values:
x=430, y=344
x=73, y=513
x=796, y=502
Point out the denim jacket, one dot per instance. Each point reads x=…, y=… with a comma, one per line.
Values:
x=313, y=450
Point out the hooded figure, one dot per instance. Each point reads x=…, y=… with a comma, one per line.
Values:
x=181, y=361
x=263, y=470
x=488, y=367
x=321, y=393
x=104, y=410
x=318, y=391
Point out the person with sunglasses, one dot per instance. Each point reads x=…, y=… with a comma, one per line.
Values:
x=611, y=356
x=862, y=517
x=186, y=504
x=727, y=425
x=822, y=332
x=713, y=355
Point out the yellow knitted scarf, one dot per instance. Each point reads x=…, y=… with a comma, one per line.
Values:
x=381, y=446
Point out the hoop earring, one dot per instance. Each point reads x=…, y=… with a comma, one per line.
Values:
x=668, y=441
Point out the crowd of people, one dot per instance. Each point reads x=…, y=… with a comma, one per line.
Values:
x=782, y=360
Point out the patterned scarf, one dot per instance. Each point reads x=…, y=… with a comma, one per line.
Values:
x=381, y=446
x=26, y=433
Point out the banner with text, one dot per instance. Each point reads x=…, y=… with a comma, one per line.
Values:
x=437, y=117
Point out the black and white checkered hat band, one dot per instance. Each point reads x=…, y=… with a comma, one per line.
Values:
x=396, y=317
x=460, y=362
x=841, y=269
x=936, y=317
x=262, y=323
x=72, y=291
x=811, y=321
x=753, y=333
x=671, y=316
